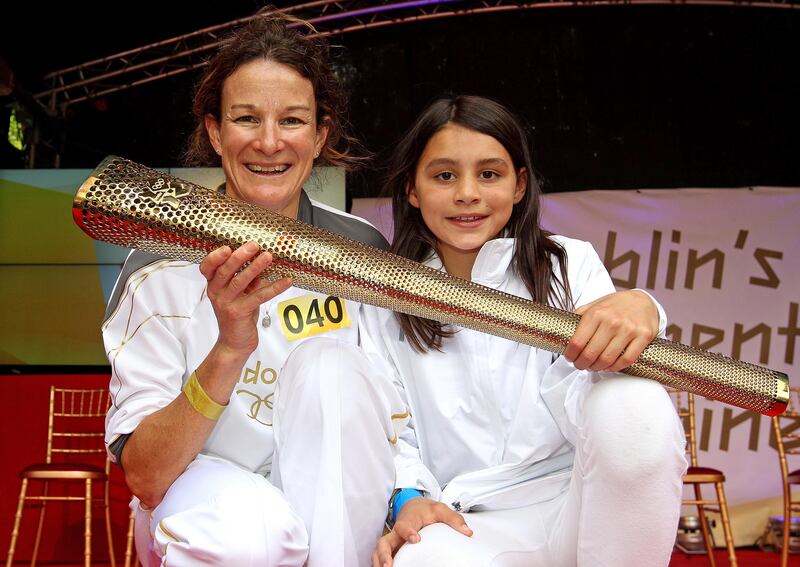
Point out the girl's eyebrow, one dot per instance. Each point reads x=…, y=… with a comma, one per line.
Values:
x=440, y=161
x=492, y=161
x=496, y=161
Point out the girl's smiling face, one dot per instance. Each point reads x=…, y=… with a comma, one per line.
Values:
x=465, y=187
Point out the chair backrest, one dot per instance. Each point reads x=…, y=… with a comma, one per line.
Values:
x=787, y=431
x=76, y=422
x=684, y=403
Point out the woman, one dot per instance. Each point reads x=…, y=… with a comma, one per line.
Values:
x=214, y=386
x=517, y=456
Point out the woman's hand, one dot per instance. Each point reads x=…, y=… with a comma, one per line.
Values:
x=415, y=515
x=613, y=331
x=236, y=292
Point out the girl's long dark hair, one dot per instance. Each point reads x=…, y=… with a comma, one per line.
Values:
x=533, y=250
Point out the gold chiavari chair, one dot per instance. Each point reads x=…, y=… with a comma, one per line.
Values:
x=787, y=439
x=75, y=453
x=697, y=476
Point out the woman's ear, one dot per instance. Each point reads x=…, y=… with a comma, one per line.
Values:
x=323, y=129
x=522, y=185
x=411, y=194
x=212, y=128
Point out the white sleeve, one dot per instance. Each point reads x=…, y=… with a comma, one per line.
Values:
x=563, y=386
x=143, y=344
x=588, y=278
x=662, y=315
x=379, y=328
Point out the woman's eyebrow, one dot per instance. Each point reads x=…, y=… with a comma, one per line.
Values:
x=293, y=108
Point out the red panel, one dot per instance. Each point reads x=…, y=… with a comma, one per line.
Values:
x=23, y=441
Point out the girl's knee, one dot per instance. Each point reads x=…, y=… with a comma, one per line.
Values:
x=629, y=406
x=632, y=428
x=440, y=545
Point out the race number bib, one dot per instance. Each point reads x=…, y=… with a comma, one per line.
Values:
x=310, y=315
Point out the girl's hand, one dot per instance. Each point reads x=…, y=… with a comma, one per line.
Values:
x=613, y=331
x=415, y=515
x=236, y=293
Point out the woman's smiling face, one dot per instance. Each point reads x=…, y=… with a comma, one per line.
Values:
x=268, y=136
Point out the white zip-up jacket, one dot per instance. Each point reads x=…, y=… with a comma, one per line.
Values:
x=488, y=415
x=160, y=325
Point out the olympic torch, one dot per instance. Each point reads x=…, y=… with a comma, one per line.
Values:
x=128, y=204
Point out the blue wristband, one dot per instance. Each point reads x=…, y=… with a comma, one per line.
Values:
x=401, y=498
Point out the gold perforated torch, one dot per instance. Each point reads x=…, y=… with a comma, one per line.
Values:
x=125, y=203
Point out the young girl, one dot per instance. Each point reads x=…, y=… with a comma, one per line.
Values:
x=517, y=456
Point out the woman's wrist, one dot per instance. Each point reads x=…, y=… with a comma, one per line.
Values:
x=225, y=356
x=220, y=371
x=199, y=399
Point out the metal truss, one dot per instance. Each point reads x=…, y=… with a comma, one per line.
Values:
x=329, y=17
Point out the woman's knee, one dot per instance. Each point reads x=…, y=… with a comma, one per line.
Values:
x=317, y=360
x=231, y=517
x=323, y=370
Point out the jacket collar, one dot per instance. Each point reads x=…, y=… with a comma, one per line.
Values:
x=492, y=264
x=305, y=212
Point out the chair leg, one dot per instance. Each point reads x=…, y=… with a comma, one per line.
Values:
x=17, y=521
x=701, y=514
x=111, y=555
x=787, y=524
x=38, y=539
x=129, y=542
x=87, y=550
x=726, y=523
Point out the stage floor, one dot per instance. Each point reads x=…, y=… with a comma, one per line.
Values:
x=746, y=558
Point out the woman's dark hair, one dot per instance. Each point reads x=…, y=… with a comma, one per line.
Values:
x=274, y=36
x=533, y=249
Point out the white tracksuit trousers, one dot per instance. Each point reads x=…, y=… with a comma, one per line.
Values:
x=332, y=476
x=621, y=508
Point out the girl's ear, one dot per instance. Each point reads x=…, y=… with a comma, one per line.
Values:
x=411, y=194
x=212, y=127
x=522, y=185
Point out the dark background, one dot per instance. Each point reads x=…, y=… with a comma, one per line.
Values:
x=615, y=97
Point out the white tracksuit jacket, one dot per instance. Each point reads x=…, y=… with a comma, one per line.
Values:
x=488, y=414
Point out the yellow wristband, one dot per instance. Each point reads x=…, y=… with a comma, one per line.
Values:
x=200, y=401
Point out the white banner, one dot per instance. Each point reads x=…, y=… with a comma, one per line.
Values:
x=724, y=264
